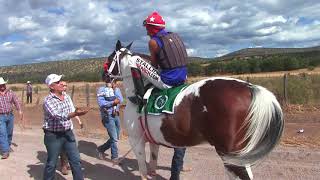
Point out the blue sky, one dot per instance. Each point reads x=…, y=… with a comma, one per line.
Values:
x=45, y=30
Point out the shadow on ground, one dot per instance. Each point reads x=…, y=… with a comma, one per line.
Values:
x=92, y=171
x=36, y=170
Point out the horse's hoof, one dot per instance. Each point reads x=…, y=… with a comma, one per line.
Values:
x=152, y=173
x=187, y=169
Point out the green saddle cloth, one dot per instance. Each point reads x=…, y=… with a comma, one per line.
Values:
x=161, y=100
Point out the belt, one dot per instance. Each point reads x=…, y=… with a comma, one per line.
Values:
x=56, y=132
x=5, y=113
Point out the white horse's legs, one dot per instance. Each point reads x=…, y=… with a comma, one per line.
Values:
x=139, y=151
x=154, y=149
x=238, y=172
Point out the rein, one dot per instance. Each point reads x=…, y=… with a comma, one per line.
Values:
x=116, y=61
x=146, y=132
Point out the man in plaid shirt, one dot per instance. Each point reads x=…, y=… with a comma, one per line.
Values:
x=58, y=111
x=7, y=100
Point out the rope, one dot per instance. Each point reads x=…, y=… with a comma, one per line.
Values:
x=126, y=154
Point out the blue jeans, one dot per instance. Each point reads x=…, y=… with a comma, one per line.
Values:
x=6, y=131
x=112, y=124
x=177, y=163
x=54, y=143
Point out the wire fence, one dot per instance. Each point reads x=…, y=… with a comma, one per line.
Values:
x=289, y=89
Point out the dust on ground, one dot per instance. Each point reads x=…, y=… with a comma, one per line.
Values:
x=297, y=156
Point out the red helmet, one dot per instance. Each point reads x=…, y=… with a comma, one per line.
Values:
x=155, y=19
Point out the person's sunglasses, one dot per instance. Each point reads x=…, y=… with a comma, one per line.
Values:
x=144, y=23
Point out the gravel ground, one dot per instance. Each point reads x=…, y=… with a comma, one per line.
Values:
x=297, y=157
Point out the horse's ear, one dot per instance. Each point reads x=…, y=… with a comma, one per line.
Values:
x=118, y=45
x=129, y=46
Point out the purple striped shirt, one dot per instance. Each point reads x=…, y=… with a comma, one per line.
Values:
x=56, y=113
x=7, y=100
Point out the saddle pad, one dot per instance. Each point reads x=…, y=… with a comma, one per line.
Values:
x=161, y=101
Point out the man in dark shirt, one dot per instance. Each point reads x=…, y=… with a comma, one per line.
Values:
x=29, y=92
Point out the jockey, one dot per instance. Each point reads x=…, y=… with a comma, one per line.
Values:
x=167, y=53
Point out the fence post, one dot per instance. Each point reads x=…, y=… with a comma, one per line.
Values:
x=36, y=91
x=87, y=94
x=285, y=88
x=248, y=79
x=22, y=96
x=72, y=92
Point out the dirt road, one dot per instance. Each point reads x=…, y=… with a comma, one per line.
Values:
x=298, y=156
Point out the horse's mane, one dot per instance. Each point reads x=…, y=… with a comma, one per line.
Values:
x=143, y=56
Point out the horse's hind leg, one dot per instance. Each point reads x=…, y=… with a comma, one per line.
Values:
x=238, y=172
x=154, y=149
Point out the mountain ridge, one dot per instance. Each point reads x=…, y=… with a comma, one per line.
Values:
x=247, y=52
x=90, y=69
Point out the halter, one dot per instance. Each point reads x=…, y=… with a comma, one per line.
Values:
x=116, y=61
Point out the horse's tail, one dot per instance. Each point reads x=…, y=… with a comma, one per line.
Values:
x=264, y=124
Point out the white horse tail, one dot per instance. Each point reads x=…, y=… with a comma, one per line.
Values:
x=264, y=125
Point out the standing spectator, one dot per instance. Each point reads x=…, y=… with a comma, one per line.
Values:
x=63, y=155
x=117, y=93
x=7, y=99
x=29, y=92
x=108, y=101
x=58, y=111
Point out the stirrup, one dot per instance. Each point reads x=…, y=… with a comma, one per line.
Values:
x=135, y=100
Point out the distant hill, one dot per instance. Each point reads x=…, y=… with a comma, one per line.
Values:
x=74, y=70
x=91, y=69
x=249, y=52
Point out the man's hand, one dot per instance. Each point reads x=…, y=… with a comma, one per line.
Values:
x=22, y=122
x=81, y=111
x=116, y=101
x=21, y=115
x=81, y=125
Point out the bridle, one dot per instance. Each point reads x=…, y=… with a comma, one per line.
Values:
x=116, y=61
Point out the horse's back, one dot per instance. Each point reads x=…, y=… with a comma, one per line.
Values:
x=209, y=110
x=226, y=102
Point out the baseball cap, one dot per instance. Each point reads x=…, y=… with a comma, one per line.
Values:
x=51, y=78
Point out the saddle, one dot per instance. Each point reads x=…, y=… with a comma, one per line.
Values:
x=160, y=101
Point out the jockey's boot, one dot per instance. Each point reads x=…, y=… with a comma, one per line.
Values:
x=138, y=86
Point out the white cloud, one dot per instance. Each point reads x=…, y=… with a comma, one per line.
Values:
x=53, y=30
x=268, y=30
x=222, y=52
x=6, y=44
x=24, y=23
x=191, y=52
x=91, y=6
x=274, y=19
x=62, y=30
x=45, y=39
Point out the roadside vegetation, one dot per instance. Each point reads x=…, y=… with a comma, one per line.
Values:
x=301, y=88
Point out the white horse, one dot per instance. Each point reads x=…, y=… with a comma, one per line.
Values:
x=243, y=121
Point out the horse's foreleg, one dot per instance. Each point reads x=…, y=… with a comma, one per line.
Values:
x=154, y=149
x=139, y=151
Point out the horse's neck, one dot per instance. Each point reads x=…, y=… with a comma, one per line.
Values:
x=128, y=62
x=131, y=61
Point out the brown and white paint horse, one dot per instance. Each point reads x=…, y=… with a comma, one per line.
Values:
x=243, y=121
